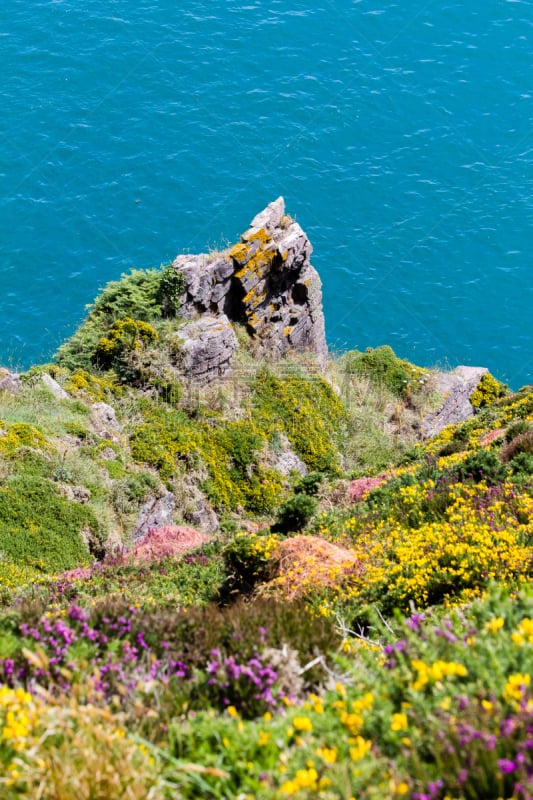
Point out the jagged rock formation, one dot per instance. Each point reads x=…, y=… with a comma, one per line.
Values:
x=265, y=282
x=456, y=387
x=209, y=345
x=156, y=512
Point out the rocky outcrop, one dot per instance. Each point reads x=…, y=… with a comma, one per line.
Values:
x=456, y=387
x=53, y=387
x=156, y=512
x=286, y=460
x=209, y=345
x=265, y=282
x=9, y=382
x=104, y=420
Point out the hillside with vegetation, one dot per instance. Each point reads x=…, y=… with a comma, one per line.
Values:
x=270, y=585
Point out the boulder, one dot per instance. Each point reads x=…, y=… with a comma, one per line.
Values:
x=77, y=494
x=456, y=387
x=208, y=347
x=104, y=420
x=10, y=382
x=286, y=460
x=53, y=386
x=156, y=512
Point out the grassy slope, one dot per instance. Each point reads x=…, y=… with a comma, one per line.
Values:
x=385, y=650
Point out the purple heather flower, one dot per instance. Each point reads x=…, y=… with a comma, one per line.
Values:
x=414, y=623
x=462, y=776
x=507, y=727
x=506, y=765
x=462, y=702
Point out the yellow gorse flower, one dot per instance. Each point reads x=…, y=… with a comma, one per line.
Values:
x=399, y=722
x=360, y=748
x=524, y=633
x=302, y=724
x=494, y=624
x=304, y=779
x=515, y=687
x=431, y=673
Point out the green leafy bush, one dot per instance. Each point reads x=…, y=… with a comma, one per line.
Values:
x=246, y=561
x=119, y=348
x=382, y=367
x=295, y=513
x=488, y=390
x=40, y=528
x=522, y=464
x=309, y=484
x=142, y=295
x=169, y=291
x=483, y=465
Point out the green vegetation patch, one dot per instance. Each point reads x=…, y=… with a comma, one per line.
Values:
x=382, y=367
x=488, y=390
x=144, y=295
x=307, y=410
x=19, y=435
x=41, y=529
x=230, y=452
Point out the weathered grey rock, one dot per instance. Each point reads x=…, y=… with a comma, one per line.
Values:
x=155, y=512
x=208, y=347
x=78, y=494
x=270, y=218
x=265, y=282
x=54, y=387
x=202, y=517
x=192, y=504
x=108, y=454
x=456, y=387
x=104, y=419
x=287, y=461
x=10, y=382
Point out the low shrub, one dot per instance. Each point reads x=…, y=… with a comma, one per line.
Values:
x=169, y=291
x=309, y=484
x=522, y=464
x=382, y=367
x=522, y=443
x=483, y=465
x=142, y=295
x=124, y=338
x=41, y=529
x=246, y=559
x=294, y=514
x=488, y=390
x=230, y=454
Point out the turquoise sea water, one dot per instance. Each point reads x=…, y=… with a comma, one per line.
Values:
x=400, y=134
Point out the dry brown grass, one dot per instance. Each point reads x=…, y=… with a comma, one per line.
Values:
x=168, y=541
x=304, y=563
